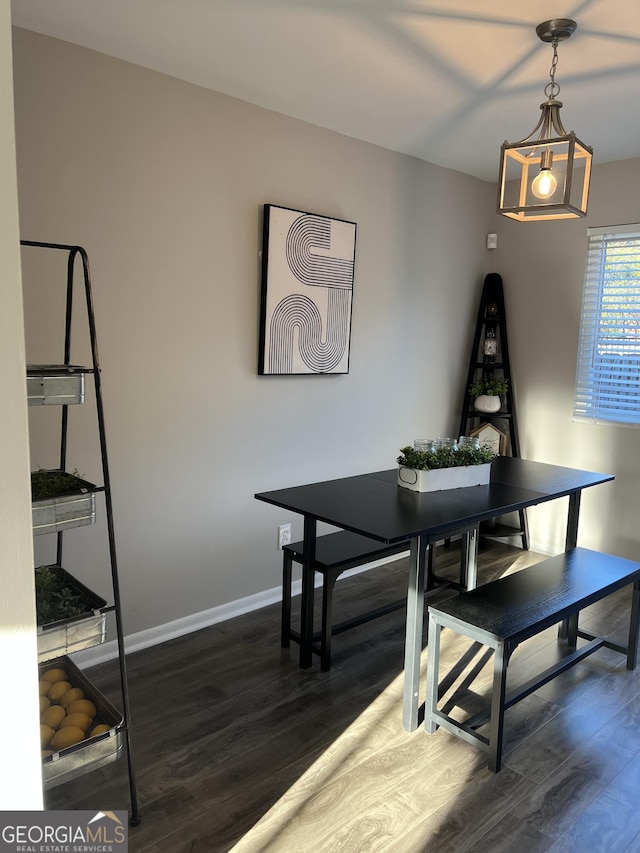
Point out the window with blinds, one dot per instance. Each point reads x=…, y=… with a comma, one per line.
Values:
x=608, y=368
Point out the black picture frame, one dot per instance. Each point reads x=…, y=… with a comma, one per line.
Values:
x=308, y=271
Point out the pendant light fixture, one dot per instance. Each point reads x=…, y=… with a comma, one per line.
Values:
x=546, y=175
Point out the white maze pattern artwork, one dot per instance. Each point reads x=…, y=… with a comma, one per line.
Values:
x=308, y=272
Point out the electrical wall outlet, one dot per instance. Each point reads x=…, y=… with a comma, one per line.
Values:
x=284, y=535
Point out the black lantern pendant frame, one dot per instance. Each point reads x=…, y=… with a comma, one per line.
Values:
x=562, y=155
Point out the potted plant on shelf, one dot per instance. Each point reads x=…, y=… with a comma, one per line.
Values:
x=69, y=614
x=444, y=468
x=487, y=391
x=60, y=597
x=54, y=483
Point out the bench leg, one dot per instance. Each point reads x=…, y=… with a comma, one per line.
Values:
x=306, y=606
x=433, y=668
x=634, y=627
x=285, y=630
x=469, y=559
x=500, y=661
x=572, y=631
x=328, y=582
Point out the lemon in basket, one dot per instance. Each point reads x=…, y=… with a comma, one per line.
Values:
x=46, y=733
x=53, y=716
x=82, y=721
x=66, y=736
x=82, y=706
x=71, y=696
x=53, y=675
x=57, y=691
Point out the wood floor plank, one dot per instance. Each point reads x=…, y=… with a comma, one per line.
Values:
x=609, y=825
x=470, y=814
x=556, y=803
x=554, y=743
x=510, y=835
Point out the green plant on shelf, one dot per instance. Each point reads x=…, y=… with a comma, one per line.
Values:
x=55, y=599
x=489, y=385
x=51, y=484
x=444, y=457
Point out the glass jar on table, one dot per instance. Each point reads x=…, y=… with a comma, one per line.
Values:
x=447, y=443
x=470, y=441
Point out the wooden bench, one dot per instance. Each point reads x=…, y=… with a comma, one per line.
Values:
x=335, y=553
x=505, y=612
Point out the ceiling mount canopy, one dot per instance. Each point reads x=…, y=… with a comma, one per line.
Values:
x=546, y=175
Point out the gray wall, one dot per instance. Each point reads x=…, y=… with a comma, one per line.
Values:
x=163, y=183
x=543, y=265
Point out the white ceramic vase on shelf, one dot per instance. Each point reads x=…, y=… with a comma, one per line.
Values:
x=487, y=403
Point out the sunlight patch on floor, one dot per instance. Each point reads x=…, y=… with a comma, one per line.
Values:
x=377, y=787
x=368, y=788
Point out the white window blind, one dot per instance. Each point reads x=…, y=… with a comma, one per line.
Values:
x=608, y=369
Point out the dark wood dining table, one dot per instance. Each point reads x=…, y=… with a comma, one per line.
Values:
x=374, y=505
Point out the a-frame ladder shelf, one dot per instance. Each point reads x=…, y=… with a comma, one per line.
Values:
x=490, y=356
x=57, y=506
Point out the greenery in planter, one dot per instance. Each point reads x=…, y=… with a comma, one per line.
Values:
x=443, y=457
x=491, y=385
x=55, y=599
x=52, y=484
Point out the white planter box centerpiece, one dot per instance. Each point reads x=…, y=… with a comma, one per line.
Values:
x=438, y=479
x=444, y=468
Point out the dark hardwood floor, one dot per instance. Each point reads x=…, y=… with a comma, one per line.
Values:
x=237, y=748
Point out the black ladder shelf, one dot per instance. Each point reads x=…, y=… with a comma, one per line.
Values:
x=490, y=355
x=61, y=385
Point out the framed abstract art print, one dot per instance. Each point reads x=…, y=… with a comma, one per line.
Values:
x=308, y=265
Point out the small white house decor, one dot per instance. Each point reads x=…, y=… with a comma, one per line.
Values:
x=442, y=468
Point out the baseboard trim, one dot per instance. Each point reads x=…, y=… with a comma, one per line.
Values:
x=204, y=619
x=214, y=615
x=545, y=548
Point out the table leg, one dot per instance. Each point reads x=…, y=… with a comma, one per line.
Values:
x=285, y=630
x=570, y=542
x=433, y=671
x=413, y=636
x=306, y=612
x=572, y=521
x=634, y=627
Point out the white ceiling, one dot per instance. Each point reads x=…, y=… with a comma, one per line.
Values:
x=444, y=81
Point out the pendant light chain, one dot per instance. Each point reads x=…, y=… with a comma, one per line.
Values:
x=552, y=89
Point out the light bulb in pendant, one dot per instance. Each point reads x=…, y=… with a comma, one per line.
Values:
x=544, y=184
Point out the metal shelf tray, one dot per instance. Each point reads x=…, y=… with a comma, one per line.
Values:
x=90, y=753
x=65, y=636
x=75, y=509
x=55, y=384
